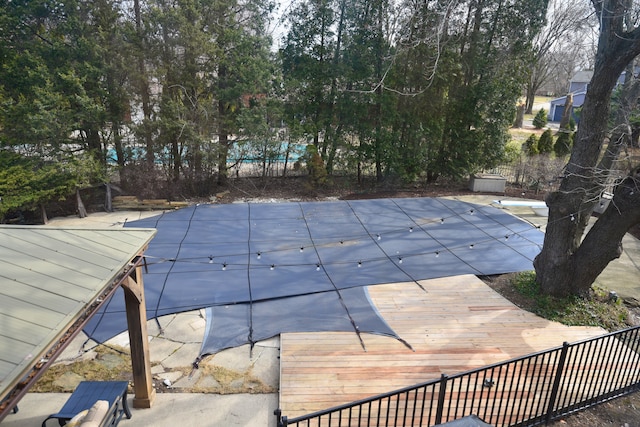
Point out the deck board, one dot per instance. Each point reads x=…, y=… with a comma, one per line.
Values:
x=453, y=325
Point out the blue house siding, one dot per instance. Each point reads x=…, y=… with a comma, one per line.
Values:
x=578, y=87
x=556, y=107
x=580, y=81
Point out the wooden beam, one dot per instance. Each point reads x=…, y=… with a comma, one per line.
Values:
x=144, y=393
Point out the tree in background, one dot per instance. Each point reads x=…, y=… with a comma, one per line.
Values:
x=312, y=68
x=530, y=146
x=369, y=54
x=28, y=183
x=420, y=89
x=315, y=167
x=540, y=119
x=38, y=75
x=482, y=59
x=562, y=146
x=164, y=90
x=260, y=140
x=206, y=57
x=545, y=143
x=566, y=24
x=59, y=100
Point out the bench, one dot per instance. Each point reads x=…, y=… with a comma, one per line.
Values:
x=85, y=397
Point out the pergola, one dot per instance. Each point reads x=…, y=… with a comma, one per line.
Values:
x=52, y=280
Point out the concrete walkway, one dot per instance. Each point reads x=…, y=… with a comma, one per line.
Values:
x=175, y=342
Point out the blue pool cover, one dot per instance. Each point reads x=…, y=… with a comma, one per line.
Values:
x=264, y=268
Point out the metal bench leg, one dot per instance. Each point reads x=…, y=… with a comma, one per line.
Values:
x=125, y=406
x=44, y=423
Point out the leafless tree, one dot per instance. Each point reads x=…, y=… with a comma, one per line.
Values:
x=567, y=23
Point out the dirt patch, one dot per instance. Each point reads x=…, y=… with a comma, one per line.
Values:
x=621, y=412
x=344, y=188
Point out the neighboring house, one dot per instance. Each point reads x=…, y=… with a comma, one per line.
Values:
x=556, y=107
x=578, y=87
x=580, y=81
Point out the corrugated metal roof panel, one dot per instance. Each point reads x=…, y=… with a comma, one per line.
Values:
x=40, y=289
x=48, y=278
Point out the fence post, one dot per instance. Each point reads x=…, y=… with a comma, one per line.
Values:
x=556, y=381
x=441, y=392
x=280, y=420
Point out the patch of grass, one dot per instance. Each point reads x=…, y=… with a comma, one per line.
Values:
x=597, y=310
x=114, y=364
x=520, y=135
x=118, y=369
x=230, y=381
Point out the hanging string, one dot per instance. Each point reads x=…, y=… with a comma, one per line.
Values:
x=342, y=241
x=356, y=329
x=450, y=249
x=358, y=237
x=423, y=225
x=437, y=254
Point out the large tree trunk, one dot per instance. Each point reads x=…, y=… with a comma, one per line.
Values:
x=568, y=265
x=529, y=100
x=571, y=206
x=519, y=121
x=603, y=243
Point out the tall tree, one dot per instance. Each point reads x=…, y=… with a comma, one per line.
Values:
x=36, y=114
x=209, y=55
x=569, y=263
x=480, y=56
x=55, y=97
x=140, y=82
x=243, y=68
x=112, y=55
x=308, y=55
x=565, y=20
x=426, y=68
x=370, y=60
x=434, y=92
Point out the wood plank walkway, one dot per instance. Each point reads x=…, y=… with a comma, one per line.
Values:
x=453, y=324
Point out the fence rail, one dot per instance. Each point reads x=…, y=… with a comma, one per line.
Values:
x=526, y=391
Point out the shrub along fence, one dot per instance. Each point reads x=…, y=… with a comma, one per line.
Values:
x=526, y=391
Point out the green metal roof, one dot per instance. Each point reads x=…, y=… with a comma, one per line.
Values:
x=49, y=277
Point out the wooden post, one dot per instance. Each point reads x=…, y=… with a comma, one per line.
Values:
x=144, y=393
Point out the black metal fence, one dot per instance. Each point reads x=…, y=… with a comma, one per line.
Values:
x=526, y=391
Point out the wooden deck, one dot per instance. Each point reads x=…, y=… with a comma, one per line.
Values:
x=454, y=324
